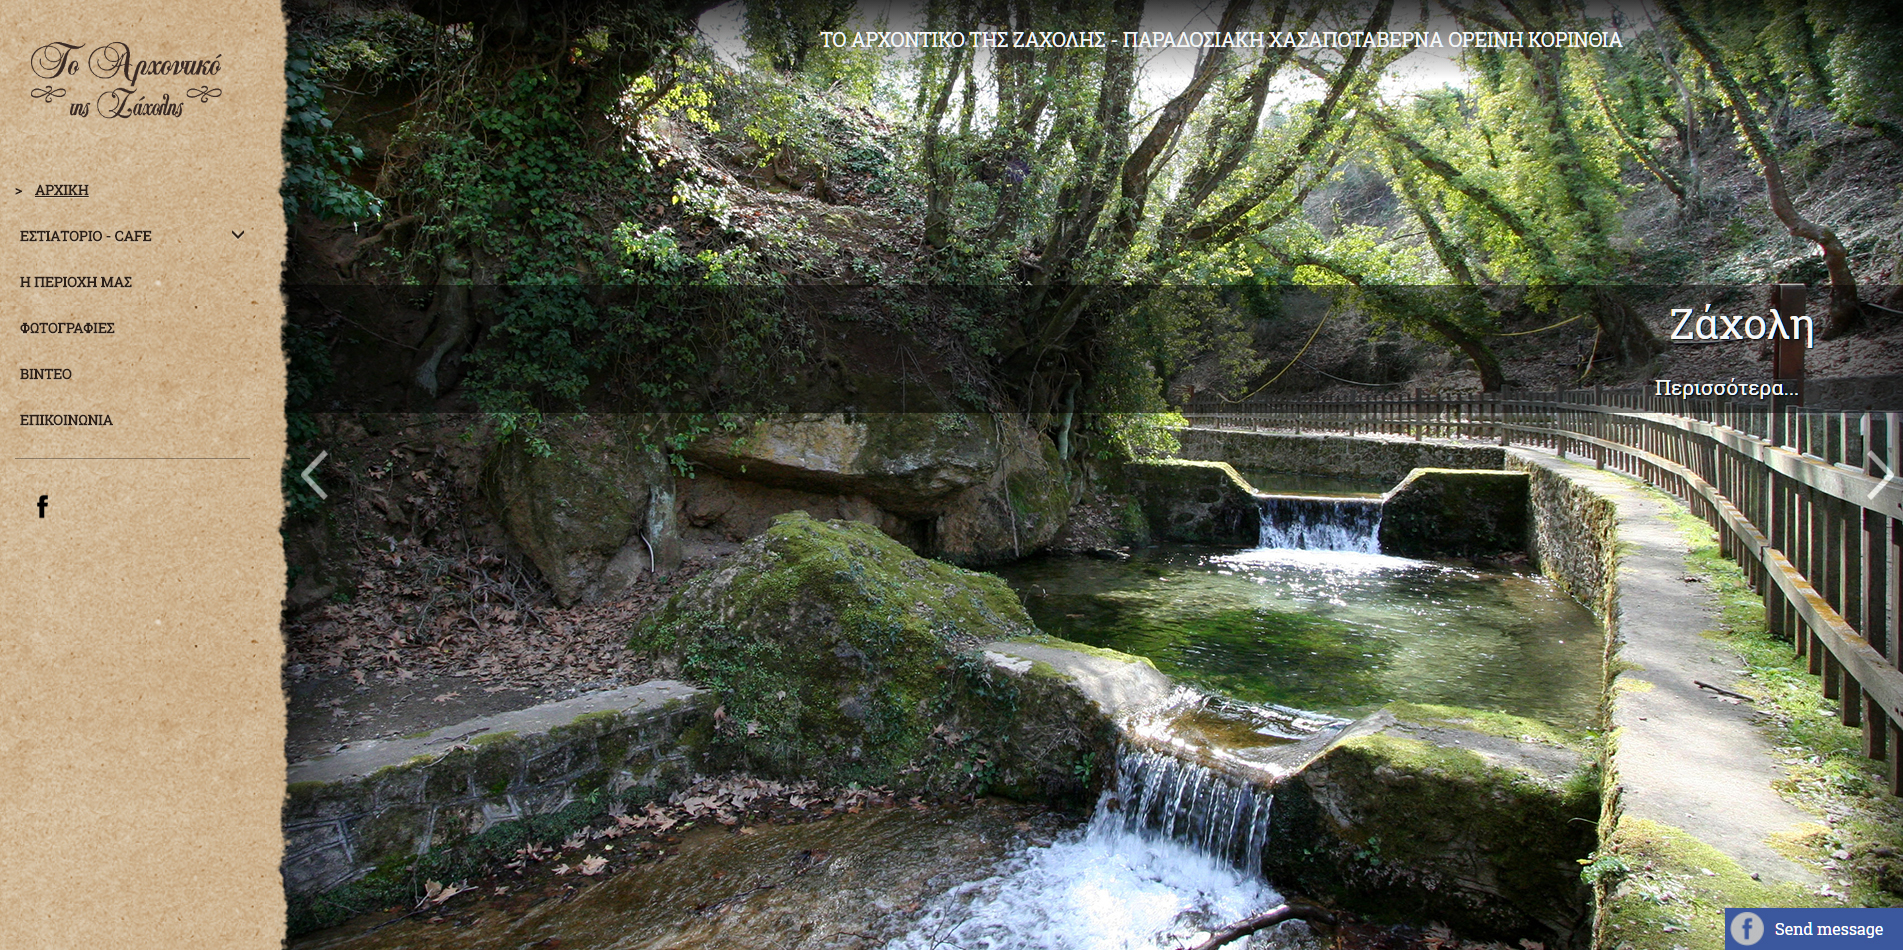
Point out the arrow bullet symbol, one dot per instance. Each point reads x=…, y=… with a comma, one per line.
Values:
x=1888, y=476
x=306, y=475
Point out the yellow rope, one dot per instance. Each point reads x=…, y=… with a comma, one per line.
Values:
x=1541, y=329
x=1285, y=369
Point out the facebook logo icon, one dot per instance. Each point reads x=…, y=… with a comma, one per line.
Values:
x=1747, y=928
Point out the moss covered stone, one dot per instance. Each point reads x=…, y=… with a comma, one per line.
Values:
x=1017, y=512
x=909, y=463
x=1433, y=813
x=1197, y=502
x=381, y=803
x=837, y=654
x=575, y=506
x=1441, y=512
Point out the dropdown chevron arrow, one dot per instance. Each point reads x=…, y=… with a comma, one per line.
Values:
x=237, y=234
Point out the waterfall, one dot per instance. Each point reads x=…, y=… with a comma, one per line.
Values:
x=1217, y=815
x=1307, y=523
x=1173, y=853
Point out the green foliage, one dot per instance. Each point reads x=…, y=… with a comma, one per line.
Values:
x=1601, y=866
x=515, y=177
x=317, y=158
x=684, y=88
x=1865, y=56
x=785, y=32
x=1143, y=435
x=524, y=426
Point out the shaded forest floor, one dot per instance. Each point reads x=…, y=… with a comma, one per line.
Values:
x=408, y=609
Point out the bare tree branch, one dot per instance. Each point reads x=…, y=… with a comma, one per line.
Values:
x=1268, y=918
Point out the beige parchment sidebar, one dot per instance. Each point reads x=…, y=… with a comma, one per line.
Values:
x=141, y=749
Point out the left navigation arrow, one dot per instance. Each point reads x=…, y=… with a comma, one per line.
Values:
x=307, y=475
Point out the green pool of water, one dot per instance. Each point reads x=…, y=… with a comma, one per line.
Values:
x=1332, y=632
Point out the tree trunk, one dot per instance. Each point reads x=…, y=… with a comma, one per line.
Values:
x=1846, y=311
x=1139, y=169
x=939, y=174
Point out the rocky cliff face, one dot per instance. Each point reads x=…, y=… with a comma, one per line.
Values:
x=602, y=504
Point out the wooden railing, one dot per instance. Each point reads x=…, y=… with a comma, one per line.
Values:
x=1806, y=502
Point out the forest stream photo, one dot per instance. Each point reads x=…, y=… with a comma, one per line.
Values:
x=1069, y=474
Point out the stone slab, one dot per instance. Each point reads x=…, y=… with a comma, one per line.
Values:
x=1118, y=687
x=364, y=758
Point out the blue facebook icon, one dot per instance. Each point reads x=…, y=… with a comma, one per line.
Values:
x=1747, y=928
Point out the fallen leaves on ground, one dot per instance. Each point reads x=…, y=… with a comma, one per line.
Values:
x=436, y=893
x=426, y=596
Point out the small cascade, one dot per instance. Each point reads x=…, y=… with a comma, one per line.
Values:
x=1217, y=815
x=1308, y=523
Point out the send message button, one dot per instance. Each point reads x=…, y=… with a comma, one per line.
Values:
x=1789, y=928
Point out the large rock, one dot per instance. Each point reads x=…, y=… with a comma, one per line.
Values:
x=1454, y=512
x=585, y=502
x=909, y=463
x=835, y=653
x=1435, y=813
x=1015, y=512
x=970, y=488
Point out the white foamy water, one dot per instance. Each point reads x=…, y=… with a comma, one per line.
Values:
x=1101, y=888
x=1308, y=523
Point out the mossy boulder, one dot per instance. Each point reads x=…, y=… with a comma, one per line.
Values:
x=577, y=500
x=1642, y=859
x=835, y=653
x=1016, y=512
x=1198, y=502
x=1439, y=512
x=1435, y=813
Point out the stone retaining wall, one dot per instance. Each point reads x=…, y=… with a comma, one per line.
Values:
x=1440, y=512
x=1574, y=533
x=350, y=811
x=1198, y=502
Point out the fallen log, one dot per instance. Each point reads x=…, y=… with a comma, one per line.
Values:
x=1268, y=918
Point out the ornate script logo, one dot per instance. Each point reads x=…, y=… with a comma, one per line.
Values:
x=115, y=63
